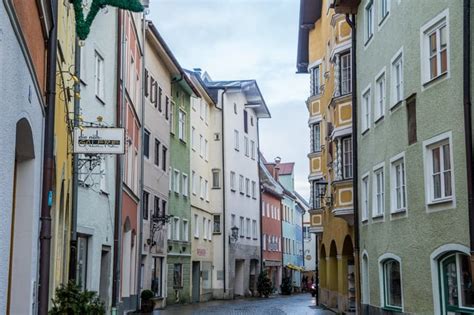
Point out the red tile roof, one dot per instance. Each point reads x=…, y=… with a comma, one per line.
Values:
x=286, y=168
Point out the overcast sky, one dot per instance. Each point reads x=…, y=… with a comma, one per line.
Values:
x=247, y=39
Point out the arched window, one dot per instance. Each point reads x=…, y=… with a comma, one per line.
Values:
x=392, y=284
x=456, y=278
x=365, y=279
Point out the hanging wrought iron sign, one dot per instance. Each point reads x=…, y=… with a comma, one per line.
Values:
x=93, y=140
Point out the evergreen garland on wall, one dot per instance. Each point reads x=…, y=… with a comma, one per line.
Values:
x=83, y=26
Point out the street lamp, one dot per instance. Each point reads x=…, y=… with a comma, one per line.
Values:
x=157, y=223
x=234, y=235
x=322, y=194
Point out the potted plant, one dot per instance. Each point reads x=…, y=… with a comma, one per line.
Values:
x=147, y=302
x=264, y=284
x=286, y=286
x=70, y=299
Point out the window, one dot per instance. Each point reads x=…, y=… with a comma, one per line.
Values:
x=160, y=97
x=185, y=185
x=397, y=80
x=172, y=118
x=156, y=275
x=264, y=242
x=236, y=140
x=397, y=176
x=247, y=187
x=216, y=179
x=171, y=179
x=315, y=81
x=379, y=111
x=242, y=227
x=435, y=48
x=99, y=76
x=181, y=125
x=176, y=181
x=456, y=284
x=232, y=220
x=163, y=157
x=146, y=197
x=241, y=184
x=204, y=228
x=411, y=119
x=365, y=114
x=392, y=284
x=248, y=229
x=206, y=190
x=232, y=181
x=317, y=190
x=176, y=229
x=316, y=137
x=254, y=229
x=235, y=108
x=193, y=138
x=440, y=176
x=365, y=197
x=347, y=157
x=369, y=21
x=206, y=150
x=82, y=253
x=209, y=230
x=346, y=85
x=252, y=149
x=156, y=206
x=246, y=123
x=146, y=144
x=167, y=106
x=193, y=182
x=379, y=198
x=196, y=226
x=201, y=187
x=384, y=9
x=163, y=206
x=185, y=231
x=178, y=276
x=217, y=224
x=201, y=146
x=157, y=152
x=246, y=146
x=254, y=190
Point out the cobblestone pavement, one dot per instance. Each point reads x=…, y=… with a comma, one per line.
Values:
x=275, y=305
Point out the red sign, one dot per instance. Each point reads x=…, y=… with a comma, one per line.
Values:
x=201, y=252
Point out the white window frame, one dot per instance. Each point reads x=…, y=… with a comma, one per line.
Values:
x=428, y=145
x=315, y=79
x=442, y=19
x=201, y=146
x=193, y=182
x=201, y=185
x=176, y=229
x=252, y=149
x=397, y=59
x=206, y=190
x=206, y=150
x=383, y=17
x=381, y=262
x=380, y=95
x=193, y=138
x=232, y=181
x=176, y=180
x=196, y=226
x=246, y=146
x=369, y=22
x=99, y=76
x=365, y=197
x=209, y=227
x=376, y=212
x=204, y=228
x=247, y=187
x=241, y=184
x=185, y=184
x=366, y=107
x=254, y=189
x=236, y=140
x=398, y=159
x=185, y=230
x=182, y=125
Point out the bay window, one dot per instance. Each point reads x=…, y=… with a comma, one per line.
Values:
x=347, y=157
x=345, y=64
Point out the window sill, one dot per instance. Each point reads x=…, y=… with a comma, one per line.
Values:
x=366, y=220
x=216, y=233
x=103, y=192
x=216, y=188
x=100, y=99
x=396, y=105
x=398, y=211
x=428, y=82
x=384, y=18
x=364, y=132
x=440, y=201
x=377, y=217
x=392, y=309
x=367, y=42
x=232, y=190
x=380, y=118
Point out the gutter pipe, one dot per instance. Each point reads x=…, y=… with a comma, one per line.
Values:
x=224, y=239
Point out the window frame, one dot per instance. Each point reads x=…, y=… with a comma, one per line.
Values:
x=345, y=163
x=182, y=125
x=315, y=76
x=366, y=107
x=379, y=109
x=348, y=74
x=316, y=143
x=236, y=140
x=99, y=84
x=369, y=27
x=384, y=289
x=365, y=206
x=383, y=17
x=376, y=213
x=399, y=159
x=398, y=58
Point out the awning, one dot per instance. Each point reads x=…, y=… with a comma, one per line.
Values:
x=294, y=267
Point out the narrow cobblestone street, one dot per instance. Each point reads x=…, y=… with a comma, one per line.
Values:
x=276, y=305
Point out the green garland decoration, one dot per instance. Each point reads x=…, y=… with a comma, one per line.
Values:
x=83, y=26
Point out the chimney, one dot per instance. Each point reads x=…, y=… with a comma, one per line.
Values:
x=276, y=168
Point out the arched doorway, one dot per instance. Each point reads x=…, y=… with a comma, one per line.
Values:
x=322, y=267
x=347, y=271
x=332, y=275
x=22, y=244
x=126, y=257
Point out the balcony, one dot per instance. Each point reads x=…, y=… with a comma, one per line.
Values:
x=342, y=204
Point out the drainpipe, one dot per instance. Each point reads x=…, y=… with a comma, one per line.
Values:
x=119, y=169
x=260, y=195
x=224, y=239
x=142, y=168
x=75, y=165
x=48, y=162
x=468, y=117
x=355, y=155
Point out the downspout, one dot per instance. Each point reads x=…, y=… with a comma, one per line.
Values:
x=48, y=162
x=142, y=168
x=75, y=165
x=260, y=201
x=224, y=239
x=119, y=167
x=468, y=117
x=355, y=180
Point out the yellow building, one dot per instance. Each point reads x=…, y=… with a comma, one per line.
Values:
x=324, y=46
x=63, y=130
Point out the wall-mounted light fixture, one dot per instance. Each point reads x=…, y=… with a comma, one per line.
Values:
x=234, y=236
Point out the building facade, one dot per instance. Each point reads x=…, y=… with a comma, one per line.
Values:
x=324, y=51
x=243, y=106
x=97, y=189
x=179, y=242
x=272, y=194
x=25, y=31
x=413, y=191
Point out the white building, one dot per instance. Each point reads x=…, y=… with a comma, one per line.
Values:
x=242, y=106
x=96, y=195
x=206, y=207
x=309, y=239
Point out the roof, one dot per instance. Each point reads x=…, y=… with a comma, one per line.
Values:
x=286, y=168
x=300, y=200
x=269, y=184
x=310, y=12
x=251, y=90
x=196, y=77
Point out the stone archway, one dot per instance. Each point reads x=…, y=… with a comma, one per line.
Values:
x=21, y=272
x=332, y=279
x=347, y=273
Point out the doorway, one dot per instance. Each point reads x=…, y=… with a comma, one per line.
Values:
x=239, y=278
x=196, y=281
x=104, y=284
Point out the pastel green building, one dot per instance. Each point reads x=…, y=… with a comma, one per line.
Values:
x=179, y=243
x=413, y=204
